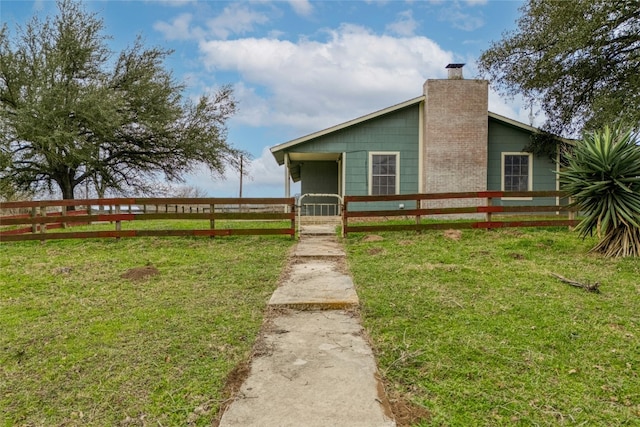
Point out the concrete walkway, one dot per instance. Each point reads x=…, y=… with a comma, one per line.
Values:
x=314, y=366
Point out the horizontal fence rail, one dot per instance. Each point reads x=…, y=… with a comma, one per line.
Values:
x=30, y=220
x=481, y=204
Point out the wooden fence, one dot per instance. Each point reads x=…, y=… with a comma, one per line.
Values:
x=562, y=216
x=41, y=216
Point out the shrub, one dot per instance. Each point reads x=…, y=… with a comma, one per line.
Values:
x=603, y=177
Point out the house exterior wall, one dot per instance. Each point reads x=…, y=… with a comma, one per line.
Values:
x=394, y=132
x=446, y=143
x=455, y=139
x=504, y=138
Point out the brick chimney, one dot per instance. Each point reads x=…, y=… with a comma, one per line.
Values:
x=455, y=134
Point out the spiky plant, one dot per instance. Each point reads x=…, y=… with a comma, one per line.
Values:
x=603, y=177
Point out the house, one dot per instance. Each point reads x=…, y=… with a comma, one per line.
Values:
x=445, y=140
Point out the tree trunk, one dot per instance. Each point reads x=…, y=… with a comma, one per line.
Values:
x=67, y=191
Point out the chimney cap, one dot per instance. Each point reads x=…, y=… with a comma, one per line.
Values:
x=454, y=66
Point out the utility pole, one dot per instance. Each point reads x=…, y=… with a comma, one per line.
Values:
x=241, y=173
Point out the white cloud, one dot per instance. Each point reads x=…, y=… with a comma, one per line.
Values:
x=476, y=2
x=233, y=20
x=311, y=84
x=174, y=3
x=516, y=109
x=301, y=7
x=460, y=20
x=265, y=179
x=179, y=28
x=39, y=5
x=236, y=19
x=404, y=25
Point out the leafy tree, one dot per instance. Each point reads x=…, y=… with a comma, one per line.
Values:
x=579, y=58
x=603, y=177
x=71, y=110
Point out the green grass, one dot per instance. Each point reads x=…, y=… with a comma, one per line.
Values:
x=82, y=346
x=479, y=332
x=476, y=329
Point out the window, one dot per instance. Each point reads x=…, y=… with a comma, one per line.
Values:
x=517, y=171
x=383, y=173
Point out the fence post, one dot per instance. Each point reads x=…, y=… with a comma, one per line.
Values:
x=212, y=221
x=418, y=216
x=34, y=213
x=572, y=213
x=63, y=224
x=344, y=217
x=292, y=208
x=118, y=222
x=43, y=225
x=488, y=214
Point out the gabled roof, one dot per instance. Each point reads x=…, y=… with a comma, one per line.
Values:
x=526, y=127
x=278, y=150
x=512, y=122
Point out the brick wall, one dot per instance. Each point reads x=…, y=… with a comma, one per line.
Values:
x=455, y=137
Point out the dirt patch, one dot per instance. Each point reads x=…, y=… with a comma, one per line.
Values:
x=233, y=382
x=516, y=255
x=375, y=251
x=63, y=270
x=339, y=264
x=140, y=273
x=453, y=234
x=405, y=411
x=239, y=374
x=480, y=253
x=372, y=238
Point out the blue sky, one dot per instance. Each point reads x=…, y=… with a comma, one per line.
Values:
x=301, y=66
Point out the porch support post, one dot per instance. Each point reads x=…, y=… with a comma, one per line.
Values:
x=287, y=180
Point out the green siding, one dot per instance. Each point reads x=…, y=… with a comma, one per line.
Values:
x=396, y=131
x=319, y=178
x=507, y=138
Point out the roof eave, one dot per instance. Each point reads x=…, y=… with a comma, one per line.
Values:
x=278, y=150
x=526, y=127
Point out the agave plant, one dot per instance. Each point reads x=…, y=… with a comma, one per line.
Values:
x=602, y=176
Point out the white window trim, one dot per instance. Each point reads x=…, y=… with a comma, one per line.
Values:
x=529, y=184
x=384, y=153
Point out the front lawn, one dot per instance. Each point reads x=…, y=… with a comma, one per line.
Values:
x=476, y=329
x=139, y=331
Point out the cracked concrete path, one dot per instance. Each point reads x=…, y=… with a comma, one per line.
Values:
x=314, y=367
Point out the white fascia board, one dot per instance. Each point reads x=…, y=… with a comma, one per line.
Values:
x=344, y=125
x=525, y=126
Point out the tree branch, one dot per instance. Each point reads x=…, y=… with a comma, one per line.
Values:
x=587, y=287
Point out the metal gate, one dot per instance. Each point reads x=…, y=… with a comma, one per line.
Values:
x=319, y=212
